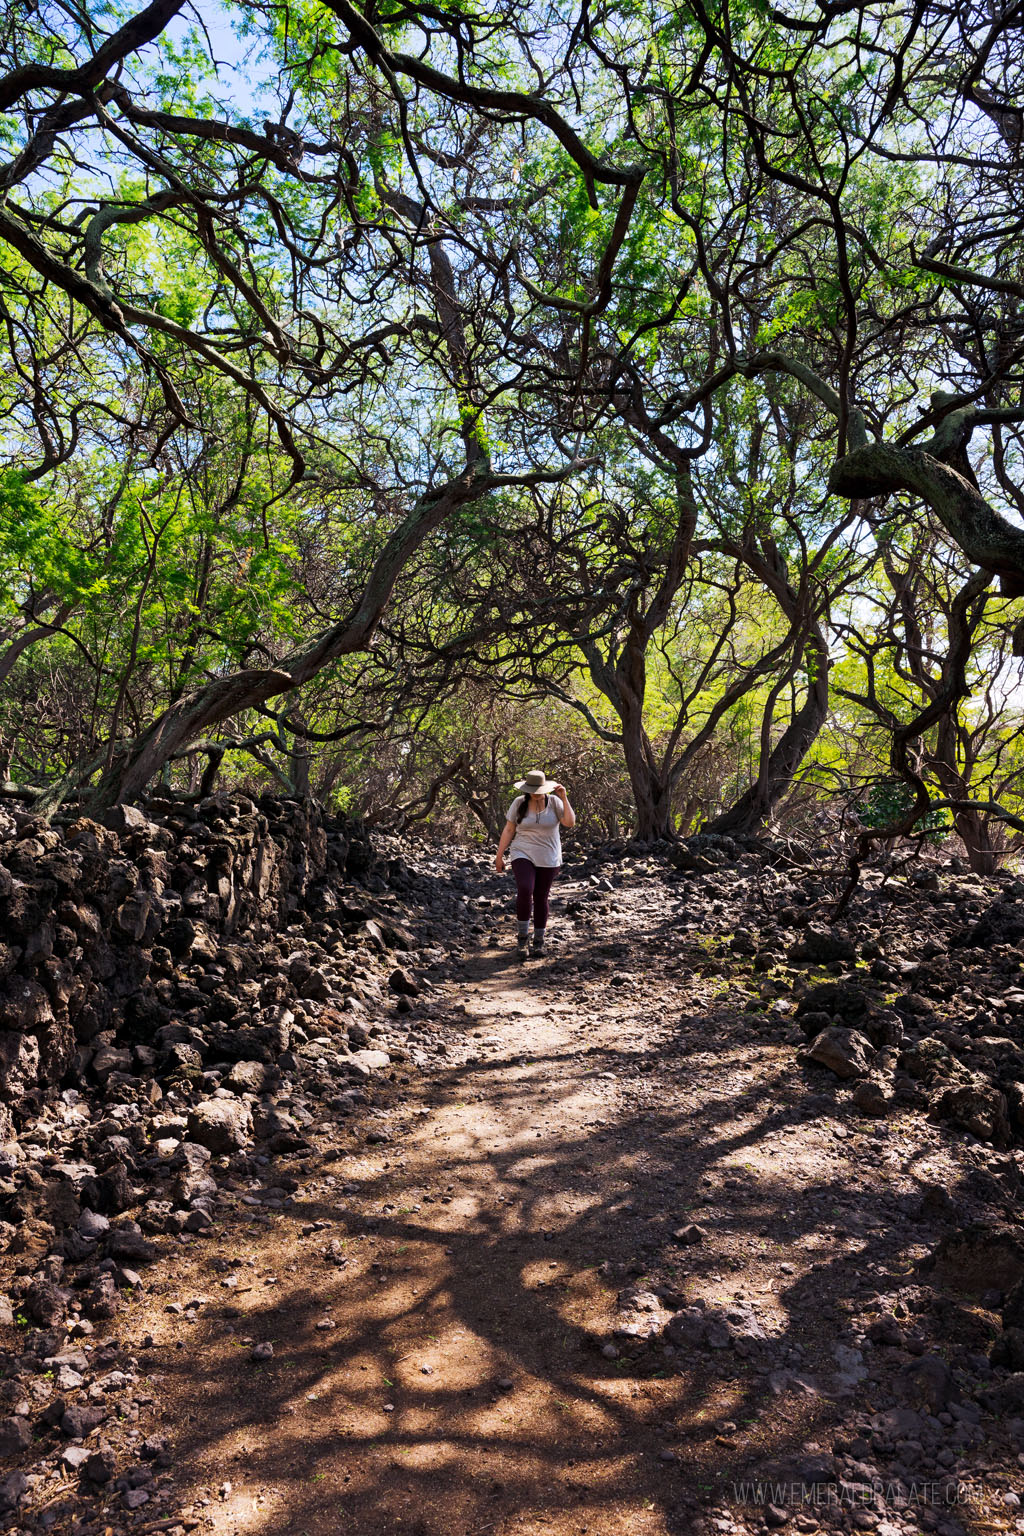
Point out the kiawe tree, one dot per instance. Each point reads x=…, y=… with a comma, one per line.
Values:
x=323, y=291
x=446, y=254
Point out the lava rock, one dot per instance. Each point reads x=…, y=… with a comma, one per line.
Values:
x=248, y=1077
x=45, y=1303
x=221, y=1125
x=926, y=1382
x=822, y=947
x=80, y=1419
x=978, y=1107
x=13, y=1489
x=979, y=1258
x=15, y=1435
x=846, y=1052
x=99, y=1468
x=873, y=1097
x=404, y=982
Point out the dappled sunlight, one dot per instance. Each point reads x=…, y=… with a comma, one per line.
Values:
x=461, y=1355
x=468, y=1293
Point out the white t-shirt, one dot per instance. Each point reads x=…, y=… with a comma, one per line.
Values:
x=537, y=837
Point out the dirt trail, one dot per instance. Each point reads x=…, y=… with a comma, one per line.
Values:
x=466, y=1284
x=460, y=1387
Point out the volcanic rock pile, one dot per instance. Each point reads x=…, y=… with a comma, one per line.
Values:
x=182, y=985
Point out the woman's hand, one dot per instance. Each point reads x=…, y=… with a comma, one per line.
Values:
x=499, y=863
x=568, y=816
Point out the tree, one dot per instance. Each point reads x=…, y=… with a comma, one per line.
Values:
x=282, y=308
x=937, y=681
x=426, y=271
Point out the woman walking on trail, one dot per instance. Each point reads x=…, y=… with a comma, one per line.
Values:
x=534, y=846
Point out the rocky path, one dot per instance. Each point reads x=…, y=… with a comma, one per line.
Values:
x=623, y=1267
x=437, y=1336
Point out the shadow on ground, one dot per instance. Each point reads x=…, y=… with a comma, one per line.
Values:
x=463, y=1385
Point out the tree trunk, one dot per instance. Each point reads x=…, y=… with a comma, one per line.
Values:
x=652, y=795
x=652, y=791
x=778, y=768
x=953, y=757
x=975, y=832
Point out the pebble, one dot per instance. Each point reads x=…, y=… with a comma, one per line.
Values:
x=263, y=1351
x=90, y=1224
x=691, y=1234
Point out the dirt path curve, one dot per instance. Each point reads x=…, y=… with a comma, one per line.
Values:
x=446, y=1378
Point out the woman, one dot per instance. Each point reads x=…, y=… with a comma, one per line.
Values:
x=534, y=846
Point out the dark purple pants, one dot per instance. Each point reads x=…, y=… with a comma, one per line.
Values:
x=533, y=885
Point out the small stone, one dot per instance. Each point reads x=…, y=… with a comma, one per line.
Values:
x=403, y=982
x=609, y=1352
x=134, y=1498
x=263, y=1351
x=92, y=1224
x=99, y=1466
x=690, y=1234
x=15, y=1435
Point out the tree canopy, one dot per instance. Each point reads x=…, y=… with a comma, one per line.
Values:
x=654, y=373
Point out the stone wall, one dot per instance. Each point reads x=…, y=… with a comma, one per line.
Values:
x=95, y=919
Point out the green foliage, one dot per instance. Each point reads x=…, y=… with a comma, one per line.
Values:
x=888, y=802
x=682, y=617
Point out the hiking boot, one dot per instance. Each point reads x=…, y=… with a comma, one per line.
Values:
x=522, y=948
x=537, y=947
